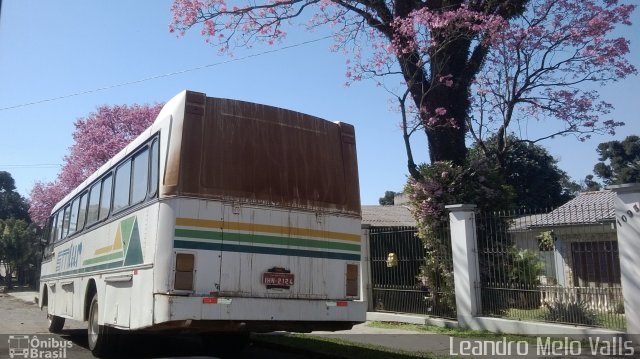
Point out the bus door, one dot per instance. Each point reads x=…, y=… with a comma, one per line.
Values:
x=266, y=252
x=197, y=247
x=236, y=261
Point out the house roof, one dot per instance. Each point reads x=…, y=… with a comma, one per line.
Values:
x=387, y=216
x=586, y=208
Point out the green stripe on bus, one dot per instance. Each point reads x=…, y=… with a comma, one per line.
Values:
x=262, y=239
x=98, y=267
x=225, y=247
x=104, y=258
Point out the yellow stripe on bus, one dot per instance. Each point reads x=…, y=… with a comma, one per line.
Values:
x=104, y=250
x=265, y=228
x=117, y=244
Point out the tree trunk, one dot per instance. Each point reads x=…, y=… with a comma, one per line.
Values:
x=446, y=139
x=447, y=144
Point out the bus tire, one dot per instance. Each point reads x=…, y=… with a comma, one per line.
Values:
x=56, y=323
x=101, y=338
x=225, y=344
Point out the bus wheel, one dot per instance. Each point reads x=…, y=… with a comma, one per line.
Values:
x=225, y=344
x=102, y=339
x=56, y=323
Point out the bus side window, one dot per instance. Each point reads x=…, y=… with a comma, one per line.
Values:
x=65, y=221
x=82, y=211
x=52, y=229
x=59, y=216
x=94, y=204
x=73, y=222
x=105, y=198
x=122, y=187
x=140, y=176
x=155, y=164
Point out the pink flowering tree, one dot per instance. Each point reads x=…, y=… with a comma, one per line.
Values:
x=547, y=64
x=97, y=138
x=436, y=47
x=466, y=65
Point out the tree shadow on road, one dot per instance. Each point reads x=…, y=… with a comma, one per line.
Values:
x=145, y=345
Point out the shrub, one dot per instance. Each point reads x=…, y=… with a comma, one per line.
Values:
x=573, y=312
x=525, y=269
x=619, y=308
x=444, y=183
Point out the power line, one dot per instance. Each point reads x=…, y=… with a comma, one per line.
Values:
x=37, y=165
x=86, y=92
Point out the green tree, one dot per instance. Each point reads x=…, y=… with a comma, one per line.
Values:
x=388, y=199
x=12, y=205
x=524, y=58
x=590, y=185
x=531, y=172
x=444, y=183
x=18, y=246
x=619, y=161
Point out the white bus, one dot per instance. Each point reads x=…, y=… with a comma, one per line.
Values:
x=222, y=218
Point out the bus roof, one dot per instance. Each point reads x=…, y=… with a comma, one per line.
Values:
x=221, y=148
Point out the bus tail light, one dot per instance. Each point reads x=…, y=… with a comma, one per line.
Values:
x=185, y=266
x=352, y=282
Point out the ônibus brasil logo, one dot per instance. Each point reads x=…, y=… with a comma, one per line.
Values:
x=25, y=346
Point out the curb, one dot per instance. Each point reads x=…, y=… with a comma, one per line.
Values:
x=26, y=297
x=256, y=340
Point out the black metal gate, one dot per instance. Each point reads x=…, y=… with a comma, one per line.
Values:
x=560, y=267
x=396, y=256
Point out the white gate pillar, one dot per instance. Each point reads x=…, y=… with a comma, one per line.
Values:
x=465, y=261
x=366, y=289
x=627, y=204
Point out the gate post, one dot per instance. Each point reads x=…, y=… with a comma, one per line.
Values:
x=627, y=205
x=366, y=289
x=465, y=261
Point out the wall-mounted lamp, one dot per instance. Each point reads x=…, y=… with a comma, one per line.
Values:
x=392, y=260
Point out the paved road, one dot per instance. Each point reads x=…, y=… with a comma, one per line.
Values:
x=25, y=320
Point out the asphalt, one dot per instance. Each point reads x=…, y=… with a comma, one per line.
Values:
x=394, y=340
x=25, y=296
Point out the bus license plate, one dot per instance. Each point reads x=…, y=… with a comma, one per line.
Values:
x=277, y=279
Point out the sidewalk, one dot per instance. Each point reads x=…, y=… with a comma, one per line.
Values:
x=395, y=339
x=28, y=296
x=484, y=347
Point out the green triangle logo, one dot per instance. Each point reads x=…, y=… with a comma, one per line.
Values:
x=131, y=241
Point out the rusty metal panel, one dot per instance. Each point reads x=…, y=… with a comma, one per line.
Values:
x=254, y=153
x=191, y=113
x=350, y=163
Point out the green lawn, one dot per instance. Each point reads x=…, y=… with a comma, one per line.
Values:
x=605, y=320
x=454, y=332
x=338, y=348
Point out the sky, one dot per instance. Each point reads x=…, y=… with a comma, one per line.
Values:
x=121, y=52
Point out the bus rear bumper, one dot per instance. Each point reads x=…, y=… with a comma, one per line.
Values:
x=255, y=314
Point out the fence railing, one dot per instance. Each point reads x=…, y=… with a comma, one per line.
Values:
x=397, y=255
x=558, y=266
x=561, y=266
